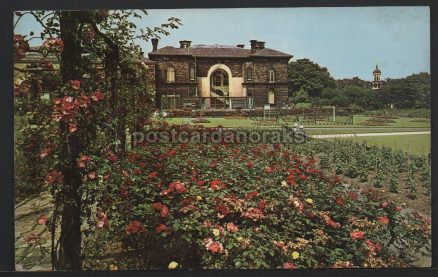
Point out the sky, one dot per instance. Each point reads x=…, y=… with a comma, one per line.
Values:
x=348, y=41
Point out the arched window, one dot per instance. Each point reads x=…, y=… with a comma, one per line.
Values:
x=249, y=74
x=219, y=80
x=170, y=75
x=271, y=96
x=271, y=75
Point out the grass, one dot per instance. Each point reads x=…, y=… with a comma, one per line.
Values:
x=258, y=122
x=414, y=144
x=320, y=131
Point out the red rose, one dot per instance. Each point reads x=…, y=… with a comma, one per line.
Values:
x=216, y=184
x=385, y=204
x=153, y=174
x=164, y=212
x=262, y=204
x=200, y=183
x=97, y=95
x=215, y=247
x=383, y=219
x=172, y=152
x=134, y=227
x=231, y=227
x=289, y=266
x=303, y=177
x=161, y=228
x=252, y=194
x=124, y=191
x=249, y=165
x=340, y=201
x=180, y=187
x=41, y=220
x=268, y=169
x=357, y=235
x=397, y=208
x=75, y=84
x=72, y=127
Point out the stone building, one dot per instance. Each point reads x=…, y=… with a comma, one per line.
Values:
x=219, y=77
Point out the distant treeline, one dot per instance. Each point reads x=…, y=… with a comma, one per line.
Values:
x=311, y=83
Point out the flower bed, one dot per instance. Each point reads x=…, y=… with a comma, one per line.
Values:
x=240, y=206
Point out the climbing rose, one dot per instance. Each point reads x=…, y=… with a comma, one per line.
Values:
x=32, y=239
x=97, y=95
x=41, y=220
x=75, y=84
x=72, y=127
x=54, y=44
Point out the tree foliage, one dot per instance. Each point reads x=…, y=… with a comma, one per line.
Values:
x=309, y=77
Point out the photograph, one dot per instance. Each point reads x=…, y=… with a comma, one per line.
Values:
x=222, y=138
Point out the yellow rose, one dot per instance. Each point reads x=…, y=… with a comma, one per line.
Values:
x=113, y=267
x=309, y=200
x=295, y=255
x=239, y=239
x=173, y=265
x=199, y=198
x=283, y=183
x=216, y=232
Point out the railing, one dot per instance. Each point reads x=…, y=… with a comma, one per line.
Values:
x=227, y=102
x=219, y=102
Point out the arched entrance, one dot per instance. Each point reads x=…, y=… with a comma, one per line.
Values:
x=219, y=76
x=219, y=83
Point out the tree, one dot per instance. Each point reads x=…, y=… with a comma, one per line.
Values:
x=79, y=123
x=305, y=75
x=405, y=93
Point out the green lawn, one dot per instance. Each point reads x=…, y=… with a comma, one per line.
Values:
x=321, y=131
x=414, y=144
x=253, y=122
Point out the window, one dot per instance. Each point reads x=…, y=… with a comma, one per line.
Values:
x=271, y=96
x=249, y=74
x=271, y=74
x=219, y=80
x=192, y=73
x=170, y=75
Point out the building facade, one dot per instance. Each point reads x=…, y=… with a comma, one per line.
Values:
x=219, y=77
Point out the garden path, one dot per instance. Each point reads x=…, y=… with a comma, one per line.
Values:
x=369, y=134
x=26, y=213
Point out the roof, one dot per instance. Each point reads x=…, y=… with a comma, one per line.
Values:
x=377, y=70
x=218, y=51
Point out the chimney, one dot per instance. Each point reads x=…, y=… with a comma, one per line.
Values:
x=253, y=45
x=240, y=45
x=184, y=44
x=154, y=44
x=261, y=45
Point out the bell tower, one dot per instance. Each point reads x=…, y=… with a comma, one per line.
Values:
x=377, y=82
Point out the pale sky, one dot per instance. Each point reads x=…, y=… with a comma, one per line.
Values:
x=348, y=41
